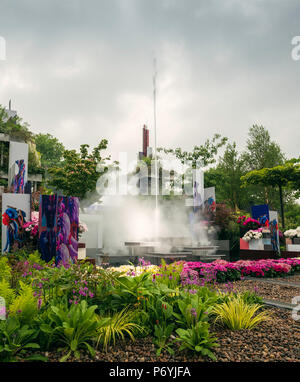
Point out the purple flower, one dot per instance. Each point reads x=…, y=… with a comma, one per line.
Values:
x=194, y=312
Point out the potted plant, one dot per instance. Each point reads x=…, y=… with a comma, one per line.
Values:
x=246, y=223
x=293, y=236
x=254, y=237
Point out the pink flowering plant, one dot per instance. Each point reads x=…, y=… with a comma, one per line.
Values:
x=248, y=223
x=198, y=273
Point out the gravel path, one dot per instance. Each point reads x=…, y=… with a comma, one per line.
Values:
x=276, y=340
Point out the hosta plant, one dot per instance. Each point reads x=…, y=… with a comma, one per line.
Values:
x=16, y=339
x=74, y=328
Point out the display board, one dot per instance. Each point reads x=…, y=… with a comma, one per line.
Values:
x=15, y=212
x=261, y=213
x=18, y=167
x=209, y=208
x=58, y=231
x=274, y=231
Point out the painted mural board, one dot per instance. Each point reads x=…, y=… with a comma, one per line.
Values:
x=15, y=212
x=209, y=202
x=18, y=166
x=58, y=230
x=274, y=231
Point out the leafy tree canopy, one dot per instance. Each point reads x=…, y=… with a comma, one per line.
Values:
x=205, y=153
x=51, y=150
x=78, y=175
x=261, y=151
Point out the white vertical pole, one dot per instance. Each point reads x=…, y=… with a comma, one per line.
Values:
x=155, y=148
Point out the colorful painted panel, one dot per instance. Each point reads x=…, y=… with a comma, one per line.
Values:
x=15, y=210
x=67, y=230
x=209, y=203
x=18, y=166
x=14, y=219
x=59, y=218
x=18, y=183
x=47, y=226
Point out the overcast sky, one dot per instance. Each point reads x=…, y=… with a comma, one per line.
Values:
x=82, y=70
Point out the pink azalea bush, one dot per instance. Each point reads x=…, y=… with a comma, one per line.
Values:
x=222, y=270
x=249, y=223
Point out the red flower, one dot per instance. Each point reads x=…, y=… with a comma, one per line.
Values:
x=5, y=219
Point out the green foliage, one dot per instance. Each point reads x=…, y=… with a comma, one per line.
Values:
x=73, y=328
x=35, y=258
x=79, y=172
x=14, y=127
x=161, y=336
x=6, y=292
x=50, y=148
x=5, y=269
x=226, y=178
x=282, y=175
x=126, y=290
x=170, y=274
x=197, y=338
x=249, y=298
x=116, y=327
x=16, y=339
x=193, y=308
x=19, y=131
x=261, y=150
x=236, y=314
x=24, y=307
x=204, y=153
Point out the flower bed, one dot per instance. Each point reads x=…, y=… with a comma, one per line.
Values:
x=169, y=304
x=222, y=270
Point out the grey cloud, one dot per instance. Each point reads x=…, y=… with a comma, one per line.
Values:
x=82, y=70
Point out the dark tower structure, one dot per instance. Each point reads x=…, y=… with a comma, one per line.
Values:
x=145, y=140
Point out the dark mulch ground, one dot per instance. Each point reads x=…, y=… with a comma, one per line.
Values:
x=294, y=278
x=276, y=340
x=267, y=290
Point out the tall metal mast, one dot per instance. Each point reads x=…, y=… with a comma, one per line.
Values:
x=155, y=139
x=155, y=150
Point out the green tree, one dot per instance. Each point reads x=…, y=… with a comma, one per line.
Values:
x=78, y=175
x=261, y=151
x=226, y=178
x=50, y=148
x=205, y=153
x=286, y=175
